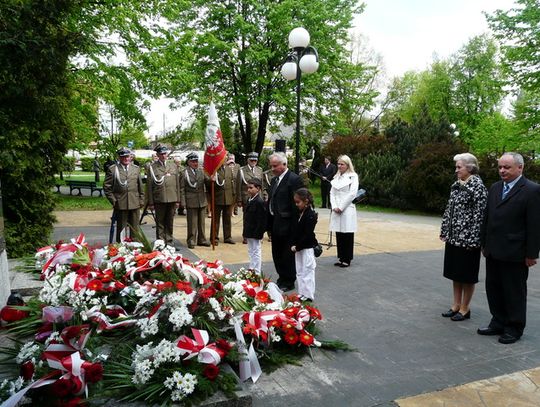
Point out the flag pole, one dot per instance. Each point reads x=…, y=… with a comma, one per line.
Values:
x=213, y=212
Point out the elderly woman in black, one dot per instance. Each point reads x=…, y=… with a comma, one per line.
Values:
x=460, y=231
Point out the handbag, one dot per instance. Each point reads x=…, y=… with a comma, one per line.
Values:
x=361, y=194
x=317, y=250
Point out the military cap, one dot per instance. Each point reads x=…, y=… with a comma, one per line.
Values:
x=253, y=156
x=161, y=149
x=123, y=152
x=192, y=157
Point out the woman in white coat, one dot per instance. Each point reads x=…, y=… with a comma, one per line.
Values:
x=343, y=216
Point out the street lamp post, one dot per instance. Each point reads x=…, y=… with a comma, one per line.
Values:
x=301, y=58
x=453, y=130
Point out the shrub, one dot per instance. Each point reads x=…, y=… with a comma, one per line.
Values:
x=426, y=181
x=356, y=146
x=380, y=175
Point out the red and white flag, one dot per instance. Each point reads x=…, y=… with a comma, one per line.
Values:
x=215, y=153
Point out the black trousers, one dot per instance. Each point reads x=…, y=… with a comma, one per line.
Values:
x=344, y=243
x=283, y=260
x=325, y=193
x=506, y=289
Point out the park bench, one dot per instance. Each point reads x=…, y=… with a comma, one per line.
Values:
x=91, y=185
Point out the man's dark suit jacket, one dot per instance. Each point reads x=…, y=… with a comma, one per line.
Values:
x=281, y=200
x=328, y=172
x=511, y=228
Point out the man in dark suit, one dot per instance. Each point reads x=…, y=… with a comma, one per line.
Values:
x=511, y=243
x=327, y=171
x=283, y=216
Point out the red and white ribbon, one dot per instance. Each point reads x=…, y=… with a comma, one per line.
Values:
x=104, y=322
x=206, y=353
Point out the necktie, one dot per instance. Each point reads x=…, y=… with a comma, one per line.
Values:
x=506, y=189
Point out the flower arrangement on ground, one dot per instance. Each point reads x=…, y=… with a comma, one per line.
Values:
x=134, y=322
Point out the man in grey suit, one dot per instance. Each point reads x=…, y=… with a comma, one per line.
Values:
x=283, y=217
x=510, y=242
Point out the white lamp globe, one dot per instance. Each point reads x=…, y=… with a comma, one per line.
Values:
x=309, y=63
x=298, y=38
x=456, y=133
x=453, y=126
x=288, y=70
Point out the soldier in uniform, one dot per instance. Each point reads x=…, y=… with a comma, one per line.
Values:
x=163, y=191
x=246, y=174
x=123, y=188
x=224, y=198
x=235, y=167
x=193, y=198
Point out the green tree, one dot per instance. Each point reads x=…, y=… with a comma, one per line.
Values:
x=234, y=51
x=477, y=83
x=518, y=30
x=35, y=45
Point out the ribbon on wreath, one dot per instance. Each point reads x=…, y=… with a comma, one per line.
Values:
x=249, y=365
x=64, y=254
x=199, y=346
x=65, y=358
x=104, y=322
x=192, y=272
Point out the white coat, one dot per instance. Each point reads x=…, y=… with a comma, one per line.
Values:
x=342, y=193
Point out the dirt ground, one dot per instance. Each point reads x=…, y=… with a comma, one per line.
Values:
x=377, y=233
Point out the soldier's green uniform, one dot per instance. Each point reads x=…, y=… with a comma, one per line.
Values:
x=163, y=192
x=123, y=188
x=193, y=198
x=224, y=198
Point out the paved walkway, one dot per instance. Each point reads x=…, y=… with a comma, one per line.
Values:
x=387, y=305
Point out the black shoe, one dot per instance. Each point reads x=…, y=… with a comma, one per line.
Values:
x=191, y=246
x=489, y=331
x=343, y=265
x=460, y=317
x=338, y=264
x=303, y=298
x=508, y=339
x=205, y=244
x=449, y=313
x=286, y=287
x=229, y=241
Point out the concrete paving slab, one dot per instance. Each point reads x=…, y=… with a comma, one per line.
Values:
x=387, y=305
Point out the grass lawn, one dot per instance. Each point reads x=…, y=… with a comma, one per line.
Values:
x=96, y=203
x=80, y=176
x=81, y=203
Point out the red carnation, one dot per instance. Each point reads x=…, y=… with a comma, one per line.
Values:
x=27, y=370
x=211, y=372
x=94, y=372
